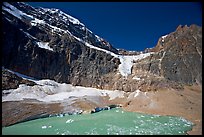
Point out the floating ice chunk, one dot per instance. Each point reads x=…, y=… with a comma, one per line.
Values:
x=69, y=121
x=43, y=127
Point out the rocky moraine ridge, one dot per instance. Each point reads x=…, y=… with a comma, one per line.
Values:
x=50, y=44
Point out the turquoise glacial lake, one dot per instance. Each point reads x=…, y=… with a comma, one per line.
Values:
x=106, y=122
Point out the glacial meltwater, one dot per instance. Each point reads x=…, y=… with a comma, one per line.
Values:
x=106, y=122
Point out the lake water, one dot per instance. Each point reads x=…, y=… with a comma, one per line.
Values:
x=107, y=122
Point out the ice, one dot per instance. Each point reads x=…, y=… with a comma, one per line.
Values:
x=125, y=67
x=50, y=91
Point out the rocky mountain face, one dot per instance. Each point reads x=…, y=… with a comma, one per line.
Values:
x=50, y=44
x=70, y=60
x=179, y=55
x=12, y=81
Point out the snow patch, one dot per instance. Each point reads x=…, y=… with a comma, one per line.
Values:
x=98, y=38
x=54, y=29
x=44, y=45
x=71, y=19
x=137, y=93
x=15, y=12
x=163, y=37
x=136, y=78
x=36, y=21
x=53, y=10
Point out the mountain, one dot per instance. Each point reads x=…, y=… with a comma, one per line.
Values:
x=52, y=64
x=50, y=44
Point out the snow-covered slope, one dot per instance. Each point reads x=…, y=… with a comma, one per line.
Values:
x=57, y=21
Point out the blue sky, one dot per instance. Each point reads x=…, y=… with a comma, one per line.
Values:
x=131, y=25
